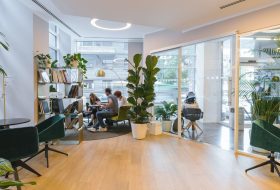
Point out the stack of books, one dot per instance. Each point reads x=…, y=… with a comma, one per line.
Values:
x=43, y=107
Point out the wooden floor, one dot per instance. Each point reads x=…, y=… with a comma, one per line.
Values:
x=156, y=163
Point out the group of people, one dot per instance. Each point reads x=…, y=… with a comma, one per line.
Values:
x=101, y=111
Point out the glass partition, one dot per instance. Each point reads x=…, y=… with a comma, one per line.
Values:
x=259, y=85
x=166, y=89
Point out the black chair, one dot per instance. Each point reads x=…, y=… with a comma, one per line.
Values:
x=193, y=114
x=49, y=130
x=17, y=144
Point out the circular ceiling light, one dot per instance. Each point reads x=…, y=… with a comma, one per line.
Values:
x=94, y=23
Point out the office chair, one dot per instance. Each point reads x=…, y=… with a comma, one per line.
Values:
x=266, y=136
x=193, y=114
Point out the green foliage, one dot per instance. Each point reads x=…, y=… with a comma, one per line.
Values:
x=5, y=166
x=273, y=52
x=142, y=95
x=68, y=59
x=166, y=111
x=5, y=45
x=44, y=60
x=263, y=106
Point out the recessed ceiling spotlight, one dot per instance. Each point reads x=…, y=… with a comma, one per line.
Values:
x=94, y=23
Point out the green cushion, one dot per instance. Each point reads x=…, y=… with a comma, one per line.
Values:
x=265, y=136
x=123, y=114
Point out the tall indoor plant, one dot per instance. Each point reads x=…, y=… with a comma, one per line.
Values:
x=165, y=112
x=141, y=92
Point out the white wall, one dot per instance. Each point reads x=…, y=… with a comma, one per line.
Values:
x=16, y=22
x=134, y=48
x=252, y=21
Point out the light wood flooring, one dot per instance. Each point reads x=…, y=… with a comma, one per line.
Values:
x=156, y=163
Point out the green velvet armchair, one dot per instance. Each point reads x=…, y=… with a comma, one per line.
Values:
x=266, y=136
x=17, y=144
x=49, y=130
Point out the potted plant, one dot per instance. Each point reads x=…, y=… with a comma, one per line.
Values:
x=4, y=45
x=141, y=93
x=45, y=61
x=164, y=113
x=76, y=61
x=5, y=167
x=263, y=105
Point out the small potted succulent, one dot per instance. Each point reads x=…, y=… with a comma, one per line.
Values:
x=76, y=61
x=45, y=61
x=164, y=113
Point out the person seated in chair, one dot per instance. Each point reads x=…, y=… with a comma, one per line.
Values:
x=94, y=100
x=109, y=110
x=190, y=101
x=121, y=99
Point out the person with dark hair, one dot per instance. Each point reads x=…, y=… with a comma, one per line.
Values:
x=121, y=99
x=93, y=100
x=109, y=110
x=190, y=101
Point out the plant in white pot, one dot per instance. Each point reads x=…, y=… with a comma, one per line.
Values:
x=164, y=113
x=141, y=92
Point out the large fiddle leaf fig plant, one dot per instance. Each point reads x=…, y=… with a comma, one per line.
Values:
x=6, y=167
x=141, y=81
x=5, y=46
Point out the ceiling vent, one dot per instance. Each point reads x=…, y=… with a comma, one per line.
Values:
x=55, y=17
x=231, y=4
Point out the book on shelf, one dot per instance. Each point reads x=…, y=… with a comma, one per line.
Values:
x=44, y=107
x=74, y=91
x=57, y=106
x=61, y=76
x=43, y=76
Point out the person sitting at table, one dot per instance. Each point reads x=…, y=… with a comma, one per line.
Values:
x=93, y=100
x=190, y=101
x=109, y=110
x=121, y=99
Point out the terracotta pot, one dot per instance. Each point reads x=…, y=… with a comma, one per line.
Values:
x=74, y=64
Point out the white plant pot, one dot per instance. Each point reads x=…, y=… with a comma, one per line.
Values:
x=166, y=126
x=155, y=128
x=74, y=64
x=139, y=131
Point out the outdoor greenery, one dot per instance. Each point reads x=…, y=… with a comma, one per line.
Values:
x=263, y=105
x=166, y=111
x=44, y=60
x=68, y=59
x=4, y=45
x=5, y=167
x=141, y=94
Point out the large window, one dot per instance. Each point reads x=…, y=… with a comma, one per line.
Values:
x=110, y=57
x=53, y=41
x=167, y=79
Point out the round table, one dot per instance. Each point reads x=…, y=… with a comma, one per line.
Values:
x=5, y=123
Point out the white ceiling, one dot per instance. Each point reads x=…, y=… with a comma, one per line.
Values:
x=148, y=16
